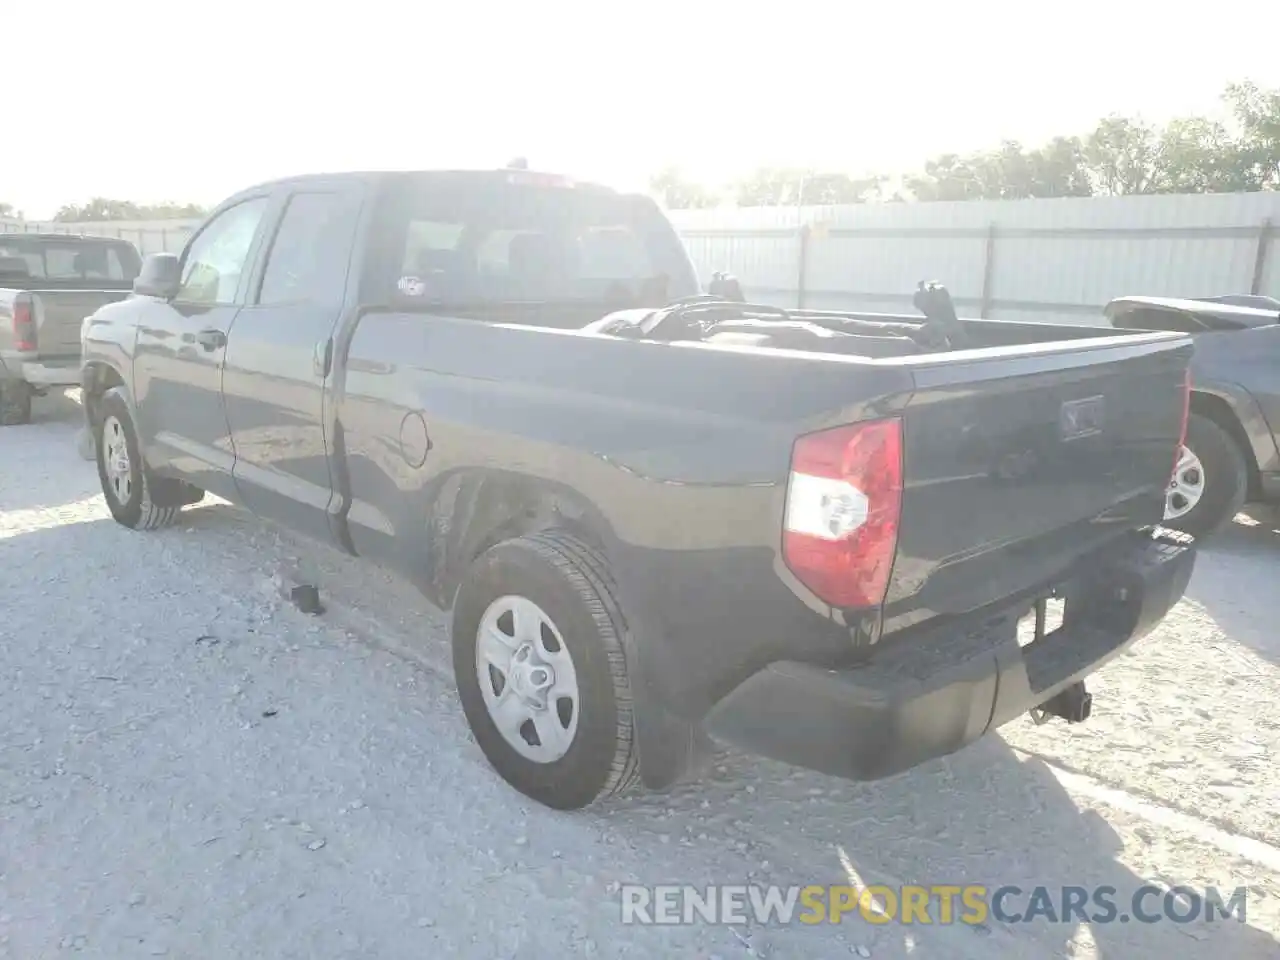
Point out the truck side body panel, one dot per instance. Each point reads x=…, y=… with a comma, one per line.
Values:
x=680, y=453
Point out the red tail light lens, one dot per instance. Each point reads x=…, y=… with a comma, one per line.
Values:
x=844, y=503
x=24, y=324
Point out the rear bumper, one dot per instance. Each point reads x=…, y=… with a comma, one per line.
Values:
x=929, y=696
x=51, y=373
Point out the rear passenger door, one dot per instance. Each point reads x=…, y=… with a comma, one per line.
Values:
x=280, y=358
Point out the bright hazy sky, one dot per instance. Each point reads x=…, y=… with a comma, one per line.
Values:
x=191, y=101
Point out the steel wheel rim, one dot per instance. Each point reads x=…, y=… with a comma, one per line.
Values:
x=115, y=460
x=1186, y=487
x=527, y=679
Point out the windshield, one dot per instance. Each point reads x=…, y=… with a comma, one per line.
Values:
x=480, y=239
x=73, y=259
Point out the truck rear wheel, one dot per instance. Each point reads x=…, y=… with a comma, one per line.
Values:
x=541, y=671
x=135, y=497
x=1210, y=482
x=15, y=402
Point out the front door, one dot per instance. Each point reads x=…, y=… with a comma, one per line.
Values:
x=181, y=348
x=279, y=359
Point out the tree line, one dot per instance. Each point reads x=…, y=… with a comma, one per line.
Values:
x=1120, y=156
x=101, y=208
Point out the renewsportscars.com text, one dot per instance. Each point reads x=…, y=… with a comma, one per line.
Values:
x=941, y=904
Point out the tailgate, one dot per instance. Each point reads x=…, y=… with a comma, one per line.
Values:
x=59, y=313
x=1020, y=461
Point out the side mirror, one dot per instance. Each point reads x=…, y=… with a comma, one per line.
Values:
x=160, y=277
x=726, y=287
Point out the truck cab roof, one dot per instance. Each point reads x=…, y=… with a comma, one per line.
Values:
x=53, y=237
x=496, y=176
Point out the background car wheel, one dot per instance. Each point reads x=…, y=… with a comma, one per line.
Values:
x=541, y=672
x=15, y=403
x=135, y=498
x=1209, y=485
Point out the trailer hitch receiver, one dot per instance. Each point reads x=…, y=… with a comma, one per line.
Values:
x=1073, y=704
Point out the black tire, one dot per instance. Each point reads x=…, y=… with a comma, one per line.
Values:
x=1226, y=479
x=571, y=583
x=15, y=402
x=152, y=502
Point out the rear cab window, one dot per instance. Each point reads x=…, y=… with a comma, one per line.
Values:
x=71, y=261
x=489, y=239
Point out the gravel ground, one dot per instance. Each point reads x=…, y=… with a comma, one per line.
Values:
x=191, y=768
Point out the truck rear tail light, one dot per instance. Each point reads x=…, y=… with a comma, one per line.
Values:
x=844, y=501
x=24, y=324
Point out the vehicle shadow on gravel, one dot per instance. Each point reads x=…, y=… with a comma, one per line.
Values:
x=988, y=815
x=984, y=816
x=1235, y=580
x=961, y=821
x=57, y=406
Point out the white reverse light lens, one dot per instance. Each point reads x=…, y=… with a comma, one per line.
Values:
x=824, y=508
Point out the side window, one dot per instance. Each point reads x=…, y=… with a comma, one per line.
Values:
x=312, y=247
x=216, y=258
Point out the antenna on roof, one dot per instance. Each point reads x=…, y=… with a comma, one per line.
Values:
x=519, y=163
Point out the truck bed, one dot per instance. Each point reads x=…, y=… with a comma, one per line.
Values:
x=685, y=446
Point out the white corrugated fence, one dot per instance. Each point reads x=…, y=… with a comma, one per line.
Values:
x=1049, y=260
x=149, y=236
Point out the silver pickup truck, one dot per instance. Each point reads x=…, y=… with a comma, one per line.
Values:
x=48, y=284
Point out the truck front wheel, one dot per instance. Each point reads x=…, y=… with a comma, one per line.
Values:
x=136, y=498
x=541, y=671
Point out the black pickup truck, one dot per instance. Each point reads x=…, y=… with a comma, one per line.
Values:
x=660, y=519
